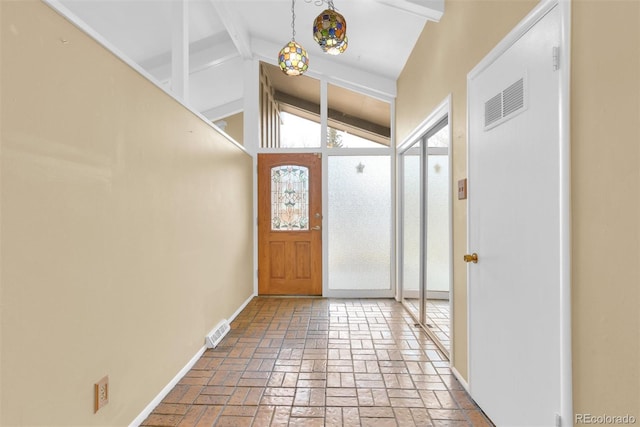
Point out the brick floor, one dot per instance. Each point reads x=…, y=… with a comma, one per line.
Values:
x=320, y=362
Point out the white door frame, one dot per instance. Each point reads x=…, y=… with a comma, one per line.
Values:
x=564, y=7
x=418, y=133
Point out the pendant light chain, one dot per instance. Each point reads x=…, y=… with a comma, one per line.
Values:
x=293, y=20
x=321, y=2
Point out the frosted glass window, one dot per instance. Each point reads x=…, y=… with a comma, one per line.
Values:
x=411, y=225
x=359, y=223
x=438, y=251
x=290, y=198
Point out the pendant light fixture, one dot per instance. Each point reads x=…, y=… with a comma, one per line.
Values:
x=330, y=30
x=293, y=58
x=339, y=48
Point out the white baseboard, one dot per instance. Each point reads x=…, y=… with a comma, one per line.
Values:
x=156, y=401
x=244, y=304
x=460, y=378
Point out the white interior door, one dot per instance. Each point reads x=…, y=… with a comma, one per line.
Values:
x=514, y=227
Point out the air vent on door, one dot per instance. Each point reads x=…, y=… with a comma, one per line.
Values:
x=513, y=98
x=493, y=110
x=504, y=105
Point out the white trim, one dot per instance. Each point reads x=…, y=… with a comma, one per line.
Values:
x=256, y=261
x=431, y=10
x=468, y=200
x=156, y=400
x=360, y=293
x=57, y=6
x=225, y=110
x=564, y=8
x=242, y=307
x=237, y=30
x=452, y=195
x=566, y=380
x=444, y=108
x=174, y=381
x=179, y=81
x=324, y=118
x=460, y=378
x=393, y=267
x=442, y=111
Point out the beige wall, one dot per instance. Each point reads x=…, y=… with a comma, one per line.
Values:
x=235, y=127
x=605, y=176
x=438, y=66
x=605, y=100
x=126, y=228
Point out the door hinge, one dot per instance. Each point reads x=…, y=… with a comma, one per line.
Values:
x=558, y=420
x=556, y=58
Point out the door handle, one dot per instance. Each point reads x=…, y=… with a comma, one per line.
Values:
x=471, y=258
x=317, y=227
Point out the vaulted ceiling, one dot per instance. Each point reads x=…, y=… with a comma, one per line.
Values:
x=222, y=34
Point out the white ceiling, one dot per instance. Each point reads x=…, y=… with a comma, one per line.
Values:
x=223, y=33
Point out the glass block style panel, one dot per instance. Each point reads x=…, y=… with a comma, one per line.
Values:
x=290, y=198
x=298, y=132
x=359, y=223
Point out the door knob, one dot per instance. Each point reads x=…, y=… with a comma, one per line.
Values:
x=317, y=227
x=471, y=258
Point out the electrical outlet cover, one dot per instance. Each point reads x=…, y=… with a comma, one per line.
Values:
x=101, y=393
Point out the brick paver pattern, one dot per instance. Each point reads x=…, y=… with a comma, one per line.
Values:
x=320, y=362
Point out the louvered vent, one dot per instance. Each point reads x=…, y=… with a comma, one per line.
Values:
x=493, y=110
x=505, y=104
x=513, y=98
x=215, y=336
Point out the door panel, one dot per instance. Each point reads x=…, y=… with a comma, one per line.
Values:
x=411, y=228
x=426, y=232
x=514, y=227
x=289, y=224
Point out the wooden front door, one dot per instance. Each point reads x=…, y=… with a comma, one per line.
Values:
x=289, y=224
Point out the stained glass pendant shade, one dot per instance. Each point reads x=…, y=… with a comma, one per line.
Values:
x=293, y=58
x=330, y=31
x=339, y=48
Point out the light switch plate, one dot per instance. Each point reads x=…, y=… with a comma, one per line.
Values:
x=462, y=189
